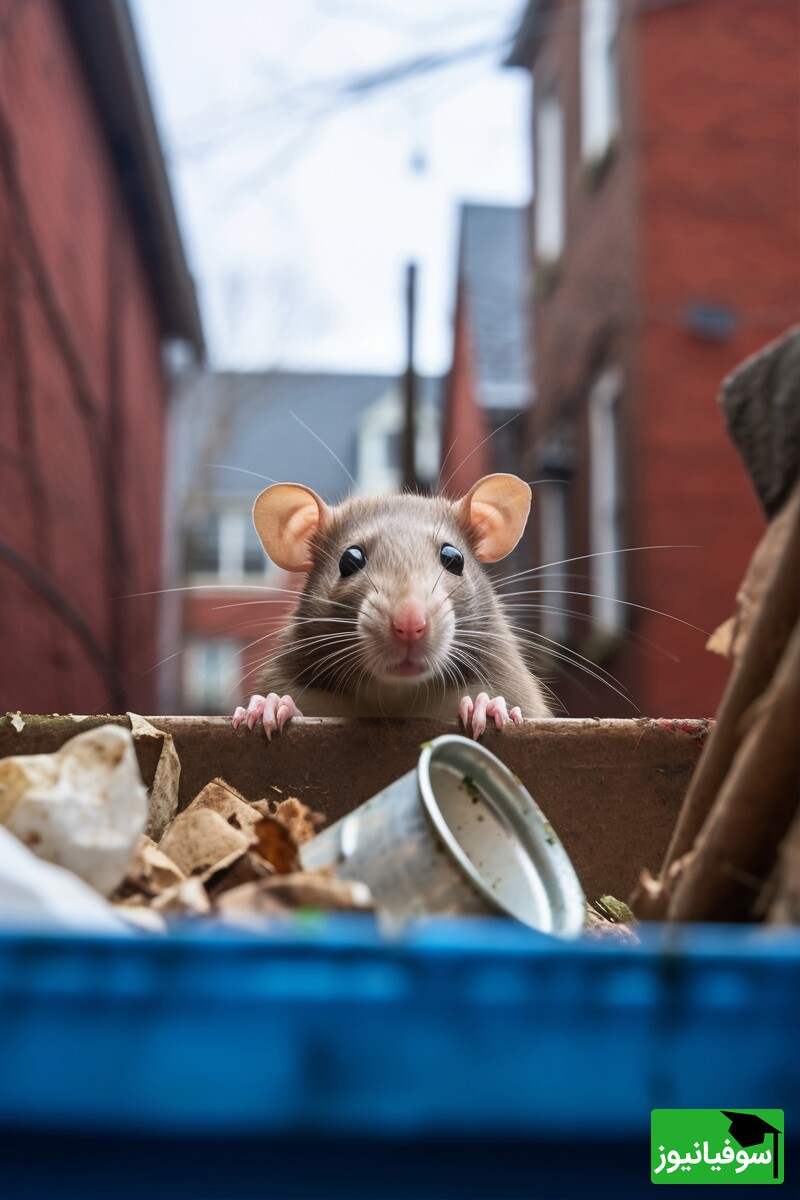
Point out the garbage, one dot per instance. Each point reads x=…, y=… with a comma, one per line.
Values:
x=83, y=807
x=301, y=890
x=198, y=840
x=459, y=834
x=34, y=893
x=187, y=897
x=609, y=918
x=164, y=792
x=150, y=872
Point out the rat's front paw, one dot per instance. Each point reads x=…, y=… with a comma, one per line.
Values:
x=273, y=711
x=474, y=714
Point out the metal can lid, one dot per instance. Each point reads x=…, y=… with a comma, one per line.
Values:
x=498, y=836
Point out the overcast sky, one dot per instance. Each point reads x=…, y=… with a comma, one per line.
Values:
x=301, y=200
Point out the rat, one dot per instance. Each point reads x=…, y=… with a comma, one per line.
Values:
x=397, y=616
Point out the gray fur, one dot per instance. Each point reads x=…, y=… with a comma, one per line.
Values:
x=401, y=536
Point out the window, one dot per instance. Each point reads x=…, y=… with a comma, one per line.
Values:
x=605, y=491
x=380, y=443
x=553, y=545
x=599, y=76
x=550, y=178
x=202, y=545
x=211, y=676
x=224, y=544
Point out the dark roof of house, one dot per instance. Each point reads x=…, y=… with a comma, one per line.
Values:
x=105, y=40
x=524, y=46
x=235, y=423
x=493, y=276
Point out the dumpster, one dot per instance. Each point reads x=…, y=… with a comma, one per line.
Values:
x=450, y=1057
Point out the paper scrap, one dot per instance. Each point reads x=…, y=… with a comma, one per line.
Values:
x=83, y=807
x=164, y=792
x=302, y=889
x=36, y=894
x=199, y=839
x=151, y=871
x=187, y=897
x=219, y=797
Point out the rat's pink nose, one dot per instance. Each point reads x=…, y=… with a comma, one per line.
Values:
x=408, y=622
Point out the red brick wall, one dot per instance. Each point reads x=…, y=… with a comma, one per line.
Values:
x=700, y=203
x=720, y=181
x=465, y=429
x=82, y=394
x=584, y=319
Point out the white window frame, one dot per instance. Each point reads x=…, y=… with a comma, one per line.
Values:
x=214, y=690
x=606, y=499
x=232, y=532
x=599, y=77
x=232, y=529
x=379, y=424
x=550, y=189
x=553, y=504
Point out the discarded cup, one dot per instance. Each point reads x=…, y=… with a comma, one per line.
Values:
x=458, y=834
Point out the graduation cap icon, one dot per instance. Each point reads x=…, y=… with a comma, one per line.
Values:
x=748, y=1129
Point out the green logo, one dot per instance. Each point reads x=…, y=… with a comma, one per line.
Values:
x=715, y=1145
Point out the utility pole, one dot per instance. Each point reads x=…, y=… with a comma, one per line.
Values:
x=410, y=388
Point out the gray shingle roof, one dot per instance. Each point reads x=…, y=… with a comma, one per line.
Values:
x=493, y=278
x=244, y=421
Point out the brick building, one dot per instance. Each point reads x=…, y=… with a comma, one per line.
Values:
x=490, y=381
x=665, y=233
x=92, y=279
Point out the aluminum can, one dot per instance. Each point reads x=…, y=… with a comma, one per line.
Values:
x=458, y=834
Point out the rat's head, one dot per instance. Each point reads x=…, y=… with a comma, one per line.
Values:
x=395, y=594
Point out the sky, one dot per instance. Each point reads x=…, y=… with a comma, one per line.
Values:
x=304, y=186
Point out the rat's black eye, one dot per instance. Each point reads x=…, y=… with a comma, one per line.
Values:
x=451, y=559
x=351, y=561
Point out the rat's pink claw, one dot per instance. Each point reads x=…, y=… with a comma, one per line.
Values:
x=474, y=714
x=286, y=710
x=497, y=708
x=273, y=711
x=479, y=714
x=255, y=710
x=277, y=711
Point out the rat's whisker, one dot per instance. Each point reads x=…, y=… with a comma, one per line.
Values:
x=488, y=438
x=583, y=557
x=612, y=599
x=241, y=471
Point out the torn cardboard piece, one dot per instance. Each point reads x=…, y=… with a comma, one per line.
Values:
x=189, y=897
x=164, y=792
x=219, y=797
x=302, y=889
x=150, y=872
x=244, y=868
x=301, y=821
x=730, y=638
x=200, y=838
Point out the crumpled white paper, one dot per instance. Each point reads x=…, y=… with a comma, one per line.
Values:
x=83, y=807
x=36, y=894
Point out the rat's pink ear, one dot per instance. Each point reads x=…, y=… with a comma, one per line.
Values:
x=286, y=516
x=496, y=510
